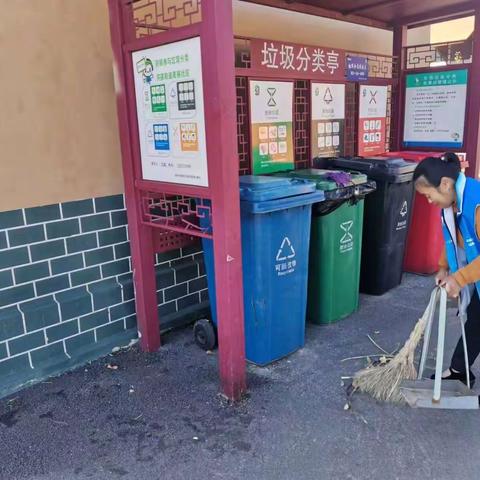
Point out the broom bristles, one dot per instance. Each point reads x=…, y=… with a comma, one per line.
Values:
x=382, y=381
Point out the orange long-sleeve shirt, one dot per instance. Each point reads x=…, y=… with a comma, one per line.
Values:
x=471, y=272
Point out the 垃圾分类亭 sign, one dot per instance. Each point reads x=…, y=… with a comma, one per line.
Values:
x=289, y=59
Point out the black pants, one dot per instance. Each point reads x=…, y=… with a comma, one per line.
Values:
x=472, y=332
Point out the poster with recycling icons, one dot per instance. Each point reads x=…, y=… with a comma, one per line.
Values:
x=372, y=121
x=328, y=119
x=271, y=107
x=170, y=113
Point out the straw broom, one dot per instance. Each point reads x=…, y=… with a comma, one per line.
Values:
x=382, y=381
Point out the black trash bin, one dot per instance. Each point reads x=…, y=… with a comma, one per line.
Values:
x=386, y=220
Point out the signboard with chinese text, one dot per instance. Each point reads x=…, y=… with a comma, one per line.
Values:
x=323, y=63
x=328, y=119
x=372, y=120
x=271, y=106
x=357, y=68
x=170, y=113
x=435, y=109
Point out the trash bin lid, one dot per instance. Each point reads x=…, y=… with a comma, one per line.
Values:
x=325, y=180
x=413, y=155
x=258, y=188
x=379, y=168
x=333, y=188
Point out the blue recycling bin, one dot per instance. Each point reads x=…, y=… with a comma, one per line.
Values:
x=275, y=221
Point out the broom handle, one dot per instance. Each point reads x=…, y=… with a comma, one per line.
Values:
x=430, y=315
x=442, y=316
x=461, y=316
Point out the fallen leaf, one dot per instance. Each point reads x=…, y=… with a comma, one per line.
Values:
x=346, y=406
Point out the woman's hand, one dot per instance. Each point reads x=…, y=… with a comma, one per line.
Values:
x=451, y=286
x=441, y=276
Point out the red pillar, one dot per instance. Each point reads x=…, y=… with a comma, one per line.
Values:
x=219, y=68
x=399, y=42
x=472, y=145
x=141, y=240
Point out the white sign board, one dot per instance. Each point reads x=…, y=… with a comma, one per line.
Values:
x=435, y=109
x=373, y=101
x=271, y=101
x=328, y=101
x=170, y=112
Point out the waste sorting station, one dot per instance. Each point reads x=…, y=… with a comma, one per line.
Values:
x=291, y=164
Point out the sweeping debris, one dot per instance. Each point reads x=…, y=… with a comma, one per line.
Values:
x=382, y=380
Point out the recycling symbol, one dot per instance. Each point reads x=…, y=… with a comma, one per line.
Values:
x=286, y=250
x=271, y=101
x=327, y=98
x=404, y=209
x=346, y=227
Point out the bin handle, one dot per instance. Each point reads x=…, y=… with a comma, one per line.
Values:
x=330, y=207
x=360, y=192
x=366, y=188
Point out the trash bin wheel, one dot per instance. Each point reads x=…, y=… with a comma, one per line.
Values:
x=204, y=334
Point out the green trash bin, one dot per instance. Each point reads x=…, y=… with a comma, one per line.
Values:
x=335, y=244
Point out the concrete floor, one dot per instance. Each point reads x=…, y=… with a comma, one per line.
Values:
x=159, y=416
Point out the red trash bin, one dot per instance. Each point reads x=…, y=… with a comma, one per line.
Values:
x=425, y=238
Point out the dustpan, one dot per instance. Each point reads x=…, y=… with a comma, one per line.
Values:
x=452, y=394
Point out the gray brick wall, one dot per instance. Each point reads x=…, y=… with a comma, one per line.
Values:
x=66, y=290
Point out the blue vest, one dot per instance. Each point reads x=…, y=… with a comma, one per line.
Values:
x=468, y=198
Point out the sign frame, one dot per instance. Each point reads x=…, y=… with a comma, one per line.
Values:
x=220, y=199
x=429, y=144
x=376, y=123
x=174, y=116
x=271, y=80
x=342, y=136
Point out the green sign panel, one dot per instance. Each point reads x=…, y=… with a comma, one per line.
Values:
x=158, y=98
x=454, y=77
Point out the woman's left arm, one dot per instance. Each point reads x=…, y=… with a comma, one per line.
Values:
x=471, y=272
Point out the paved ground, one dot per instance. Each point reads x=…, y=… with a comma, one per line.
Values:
x=159, y=416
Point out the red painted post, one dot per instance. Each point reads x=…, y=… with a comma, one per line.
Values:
x=472, y=144
x=140, y=235
x=220, y=114
x=398, y=107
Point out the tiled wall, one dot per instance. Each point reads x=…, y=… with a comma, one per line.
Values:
x=66, y=290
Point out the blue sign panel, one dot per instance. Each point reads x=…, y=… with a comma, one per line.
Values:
x=161, y=137
x=357, y=68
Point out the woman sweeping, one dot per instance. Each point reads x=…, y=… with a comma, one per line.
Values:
x=445, y=186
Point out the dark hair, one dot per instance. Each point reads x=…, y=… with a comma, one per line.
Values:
x=433, y=169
